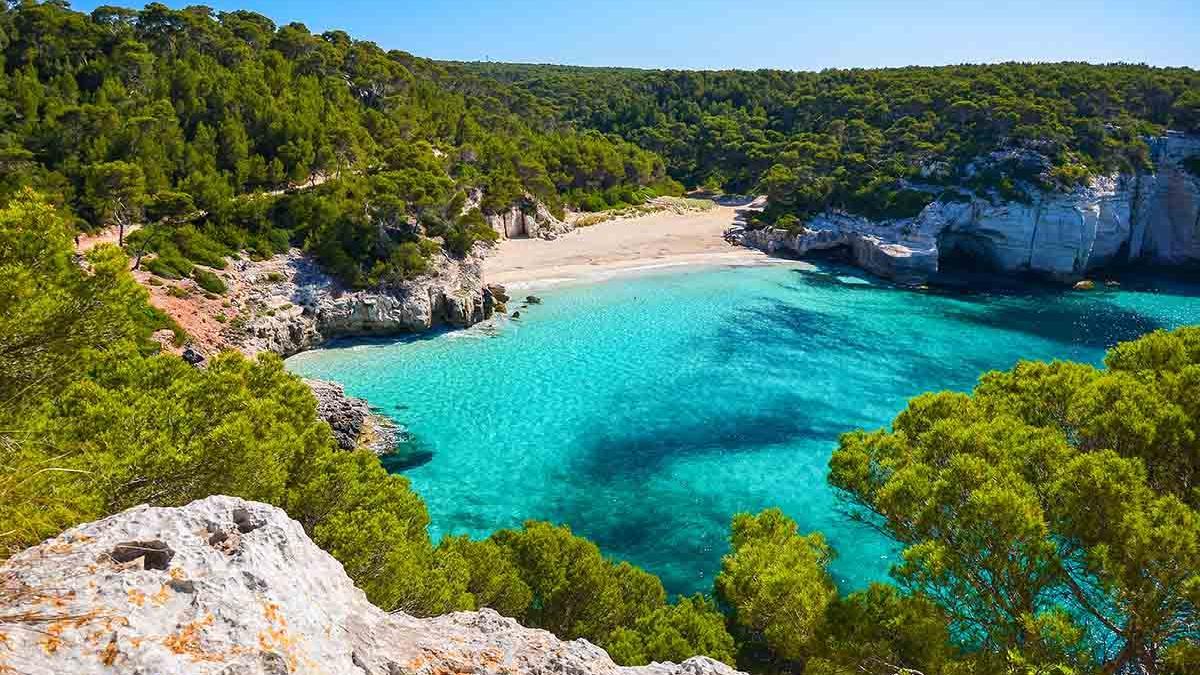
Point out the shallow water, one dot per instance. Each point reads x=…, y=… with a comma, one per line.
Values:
x=645, y=411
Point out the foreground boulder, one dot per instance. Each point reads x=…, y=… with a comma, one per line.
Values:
x=228, y=586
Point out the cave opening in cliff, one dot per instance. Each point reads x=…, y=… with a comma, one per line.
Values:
x=966, y=253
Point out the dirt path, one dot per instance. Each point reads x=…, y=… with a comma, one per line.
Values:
x=87, y=242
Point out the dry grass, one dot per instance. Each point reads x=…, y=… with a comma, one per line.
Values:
x=677, y=205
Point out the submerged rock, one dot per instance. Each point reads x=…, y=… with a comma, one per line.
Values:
x=1146, y=218
x=228, y=586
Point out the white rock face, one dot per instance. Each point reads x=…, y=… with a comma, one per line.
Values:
x=531, y=219
x=236, y=588
x=1152, y=219
x=299, y=306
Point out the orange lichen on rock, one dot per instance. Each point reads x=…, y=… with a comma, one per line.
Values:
x=187, y=640
x=275, y=638
x=136, y=597
x=52, y=639
x=109, y=654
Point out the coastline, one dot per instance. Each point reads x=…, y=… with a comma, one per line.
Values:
x=538, y=277
x=623, y=246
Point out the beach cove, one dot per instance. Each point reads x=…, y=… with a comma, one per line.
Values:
x=645, y=410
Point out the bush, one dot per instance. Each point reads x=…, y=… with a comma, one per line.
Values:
x=208, y=281
x=776, y=583
x=593, y=203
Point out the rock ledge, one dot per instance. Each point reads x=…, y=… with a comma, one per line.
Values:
x=233, y=587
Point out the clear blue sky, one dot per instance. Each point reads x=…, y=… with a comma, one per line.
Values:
x=754, y=34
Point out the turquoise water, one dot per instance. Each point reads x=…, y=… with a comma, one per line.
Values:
x=644, y=412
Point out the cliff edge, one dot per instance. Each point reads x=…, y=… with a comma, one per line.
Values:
x=227, y=586
x=1146, y=218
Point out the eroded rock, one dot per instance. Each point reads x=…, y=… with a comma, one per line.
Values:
x=352, y=420
x=292, y=305
x=1146, y=218
x=278, y=605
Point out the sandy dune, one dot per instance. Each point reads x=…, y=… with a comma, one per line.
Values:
x=621, y=246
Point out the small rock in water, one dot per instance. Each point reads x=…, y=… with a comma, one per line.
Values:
x=533, y=300
x=516, y=314
x=1085, y=285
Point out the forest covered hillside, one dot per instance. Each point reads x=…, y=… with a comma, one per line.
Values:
x=1046, y=522
x=187, y=117
x=877, y=142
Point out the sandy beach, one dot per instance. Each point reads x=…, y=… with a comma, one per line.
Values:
x=621, y=246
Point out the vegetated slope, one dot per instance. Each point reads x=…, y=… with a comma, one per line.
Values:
x=1049, y=518
x=854, y=139
x=179, y=116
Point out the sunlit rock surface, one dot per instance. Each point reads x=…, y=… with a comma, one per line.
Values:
x=1150, y=218
x=234, y=587
x=296, y=306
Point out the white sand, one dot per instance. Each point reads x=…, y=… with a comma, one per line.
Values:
x=622, y=246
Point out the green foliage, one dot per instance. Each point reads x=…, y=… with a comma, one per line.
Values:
x=675, y=632
x=776, y=583
x=493, y=580
x=576, y=591
x=187, y=115
x=114, y=192
x=572, y=590
x=208, y=281
x=1054, y=509
x=51, y=308
x=880, y=628
x=856, y=139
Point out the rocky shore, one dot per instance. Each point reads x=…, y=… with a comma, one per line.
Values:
x=1151, y=218
x=291, y=305
x=233, y=587
x=354, y=423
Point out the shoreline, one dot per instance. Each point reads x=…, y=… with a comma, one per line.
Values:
x=624, y=246
x=585, y=273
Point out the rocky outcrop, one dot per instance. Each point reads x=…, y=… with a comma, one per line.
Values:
x=530, y=218
x=352, y=420
x=237, y=588
x=1147, y=218
x=293, y=305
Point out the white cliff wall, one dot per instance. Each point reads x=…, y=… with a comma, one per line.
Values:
x=1151, y=219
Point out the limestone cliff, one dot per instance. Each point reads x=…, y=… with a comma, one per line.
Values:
x=1149, y=218
x=353, y=422
x=529, y=218
x=234, y=587
x=293, y=305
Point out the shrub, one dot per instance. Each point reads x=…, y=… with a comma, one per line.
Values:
x=208, y=281
x=592, y=203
